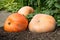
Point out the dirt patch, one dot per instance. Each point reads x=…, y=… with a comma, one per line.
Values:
x=27, y=35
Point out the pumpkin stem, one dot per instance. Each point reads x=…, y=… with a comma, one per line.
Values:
x=38, y=20
x=9, y=23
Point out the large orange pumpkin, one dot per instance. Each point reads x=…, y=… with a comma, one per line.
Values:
x=15, y=23
x=42, y=23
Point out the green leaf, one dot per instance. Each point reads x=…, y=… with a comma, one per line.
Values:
x=57, y=5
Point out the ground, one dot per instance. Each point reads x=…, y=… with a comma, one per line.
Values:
x=25, y=35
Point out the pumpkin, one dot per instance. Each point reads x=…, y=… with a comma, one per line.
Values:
x=42, y=23
x=15, y=23
x=26, y=10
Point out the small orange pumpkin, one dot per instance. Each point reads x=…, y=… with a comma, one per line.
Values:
x=42, y=23
x=15, y=23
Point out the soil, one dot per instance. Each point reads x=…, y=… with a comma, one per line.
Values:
x=25, y=35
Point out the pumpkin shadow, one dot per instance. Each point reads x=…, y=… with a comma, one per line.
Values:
x=56, y=27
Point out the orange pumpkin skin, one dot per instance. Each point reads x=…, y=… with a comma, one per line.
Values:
x=42, y=23
x=15, y=23
x=26, y=10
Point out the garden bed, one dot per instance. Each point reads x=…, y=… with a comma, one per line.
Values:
x=25, y=35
